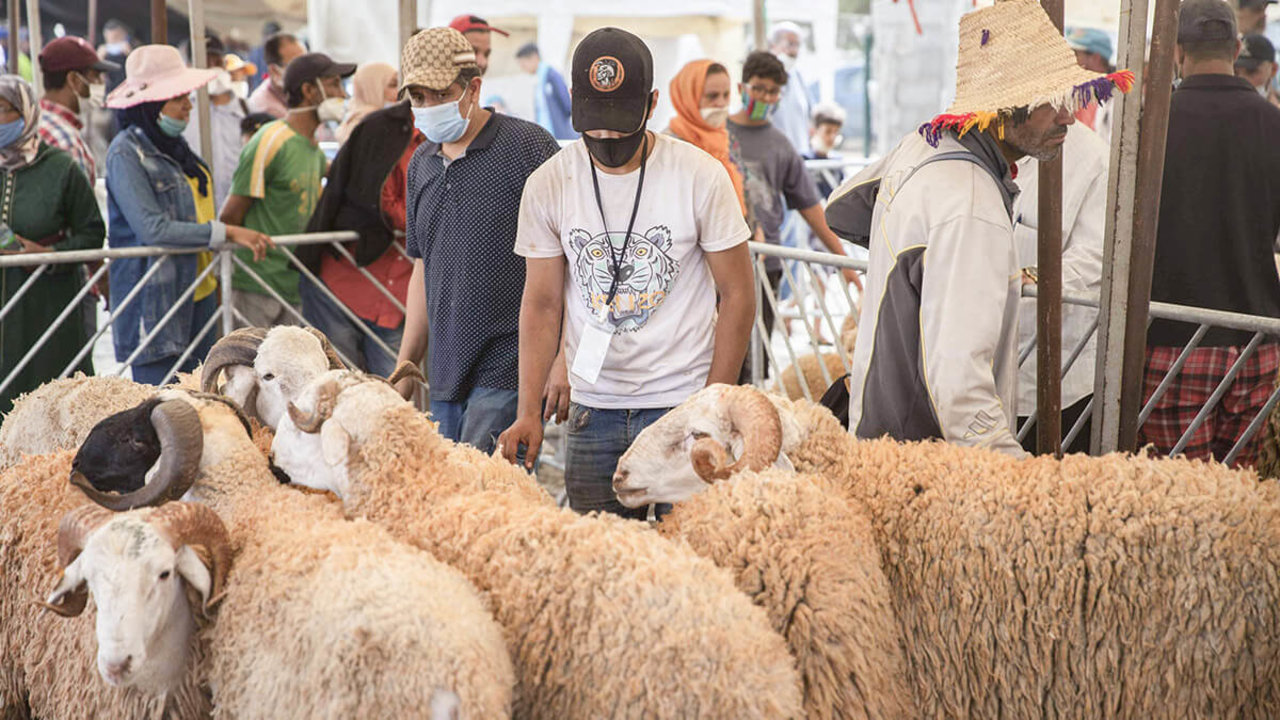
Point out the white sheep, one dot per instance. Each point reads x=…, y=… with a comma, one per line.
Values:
x=366, y=626
x=604, y=618
x=1083, y=587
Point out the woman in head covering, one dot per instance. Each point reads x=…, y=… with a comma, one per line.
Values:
x=46, y=204
x=700, y=94
x=373, y=87
x=160, y=194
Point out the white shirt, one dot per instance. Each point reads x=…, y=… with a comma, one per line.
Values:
x=1084, y=209
x=665, y=309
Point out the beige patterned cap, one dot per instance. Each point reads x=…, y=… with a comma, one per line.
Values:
x=433, y=57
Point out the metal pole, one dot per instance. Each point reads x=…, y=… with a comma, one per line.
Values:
x=93, y=22
x=15, y=21
x=37, y=42
x=1122, y=191
x=1151, y=146
x=1049, y=297
x=757, y=24
x=159, y=22
x=225, y=272
x=408, y=20
x=200, y=58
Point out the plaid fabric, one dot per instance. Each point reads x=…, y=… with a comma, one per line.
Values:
x=1190, y=391
x=60, y=128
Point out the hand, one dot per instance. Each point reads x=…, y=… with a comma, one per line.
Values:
x=555, y=395
x=251, y=239
x=1028, y=278
x=852, y=277
x=31, y=247
x=527, y=431
x=406, y=386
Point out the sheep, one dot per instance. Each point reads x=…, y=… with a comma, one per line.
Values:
x=813, y=566
x=603, y=617
x=1120, y=585
x=369, y=626
x=808, y=366
x=59, y=414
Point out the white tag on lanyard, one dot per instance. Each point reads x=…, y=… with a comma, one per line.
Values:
x=593, y=346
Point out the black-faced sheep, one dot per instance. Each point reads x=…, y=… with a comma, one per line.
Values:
x=604, y=618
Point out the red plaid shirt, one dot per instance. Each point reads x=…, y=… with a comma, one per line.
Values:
x=60, y=128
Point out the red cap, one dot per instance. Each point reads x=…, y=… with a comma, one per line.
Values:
x=72, y=53
x=470, y=23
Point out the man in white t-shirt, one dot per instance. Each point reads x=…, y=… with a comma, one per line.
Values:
x=629, y=235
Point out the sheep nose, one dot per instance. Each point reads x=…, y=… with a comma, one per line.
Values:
x=116, y=670
x=620, y=479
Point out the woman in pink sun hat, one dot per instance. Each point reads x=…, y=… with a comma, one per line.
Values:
x=159, y=193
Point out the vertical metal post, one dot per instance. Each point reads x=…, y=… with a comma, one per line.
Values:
x=159, y=22
x=1049, y=293
x=1122, y=193
x=224, y=287
x=408, y=20
x=37, y=42
x=93, y=22
x=200, y=58
x=15, y=23
x=757, y=25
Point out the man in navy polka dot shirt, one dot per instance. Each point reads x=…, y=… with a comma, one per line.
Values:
x=463, y=200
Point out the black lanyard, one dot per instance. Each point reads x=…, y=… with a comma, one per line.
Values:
x=626, y=240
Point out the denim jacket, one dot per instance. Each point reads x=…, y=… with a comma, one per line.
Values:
x=149, y=202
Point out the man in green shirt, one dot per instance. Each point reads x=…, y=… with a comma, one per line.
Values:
x=277, y=183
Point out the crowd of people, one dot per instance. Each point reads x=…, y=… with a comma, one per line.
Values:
x=581, y=267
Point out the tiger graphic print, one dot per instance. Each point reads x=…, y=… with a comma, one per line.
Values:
x=645, y=273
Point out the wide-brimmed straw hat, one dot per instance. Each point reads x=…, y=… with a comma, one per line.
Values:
x=156, y=72
x=1013, y=58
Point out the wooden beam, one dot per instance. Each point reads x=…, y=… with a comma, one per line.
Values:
x=15, y=25
x=1049, y=293
x=159, y=22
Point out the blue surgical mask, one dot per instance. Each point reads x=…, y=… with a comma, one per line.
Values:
x=442, y=123
x=171, y=127
x=11, y=131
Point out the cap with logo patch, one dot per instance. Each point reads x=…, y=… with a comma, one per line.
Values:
x=612, y=80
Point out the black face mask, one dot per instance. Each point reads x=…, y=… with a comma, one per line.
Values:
x=614, y=152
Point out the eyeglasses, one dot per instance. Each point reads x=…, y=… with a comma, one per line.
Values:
x=765, y=92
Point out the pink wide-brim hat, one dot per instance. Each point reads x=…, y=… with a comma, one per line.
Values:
x=156, y=72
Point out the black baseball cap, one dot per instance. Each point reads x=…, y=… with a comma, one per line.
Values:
x=310, y=68
x=612, y=79
x=1255, y=50
x=1206, y=21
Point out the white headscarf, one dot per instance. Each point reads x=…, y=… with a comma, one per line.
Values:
x=23, y=150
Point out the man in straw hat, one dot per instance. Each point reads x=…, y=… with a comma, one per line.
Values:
x=937, y=356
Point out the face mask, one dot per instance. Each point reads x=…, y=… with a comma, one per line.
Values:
x=117, y=48
x=442, y=123
x=715, y=117
x=97, y=93
x=330, y=109
x=170, y=126
x=788, y=62
x=755, y=109
x=820, y=144
x=11, y=131
x=614, y=152
x=241, y=89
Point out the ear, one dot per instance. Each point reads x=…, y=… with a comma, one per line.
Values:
x=660, y=236
x=69, y=597
x=334, y=442
x=578, y=239
x=193, y=570
x=784, y=463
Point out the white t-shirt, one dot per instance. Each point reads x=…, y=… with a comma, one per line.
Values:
x=665, y=309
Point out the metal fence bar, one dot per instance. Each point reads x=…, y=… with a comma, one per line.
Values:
x=111, y=318
x=22, y=290
x=1254, y=426
x=1169, y=377
x=822, y=305
x=369, y=276
x=195, y=342
x=276, y=296
x=351, y=316
x=226, y=272
x=773, y=302
x=813, y=338
x=73, y=306
x=1218, y=392
x=66, y=257
x=164, y=319
x=1029, y=348
x=1078, y=427
x=1076, y=351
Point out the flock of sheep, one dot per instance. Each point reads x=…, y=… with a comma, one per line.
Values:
x=279, y=537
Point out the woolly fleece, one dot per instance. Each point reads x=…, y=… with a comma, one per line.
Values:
x=59, y=414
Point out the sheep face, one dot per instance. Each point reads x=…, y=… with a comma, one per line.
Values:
x=288, y=360
x=690, y=447
x=144, y=620
x=120, y=450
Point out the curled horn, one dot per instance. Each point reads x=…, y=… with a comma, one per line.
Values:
x=326, y=398
x=181, y=436
x=752, y=415
x=404, y=370
x=335, y=362
x=198, y=526
x=240, y=347
x=73, y=530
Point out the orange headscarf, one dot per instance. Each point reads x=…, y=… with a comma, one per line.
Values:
x=686, y=95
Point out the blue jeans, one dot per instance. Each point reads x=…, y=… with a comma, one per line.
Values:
x=479, y=419
x=596, y=441
x=351, y=341
x=152, y=373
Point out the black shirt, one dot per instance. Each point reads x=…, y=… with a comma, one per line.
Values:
x=1219, y=207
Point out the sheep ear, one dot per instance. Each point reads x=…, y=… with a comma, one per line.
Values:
x=69, y=597
x=445, y=705
x=193, y=570
x=334, y=442
x=784, y=463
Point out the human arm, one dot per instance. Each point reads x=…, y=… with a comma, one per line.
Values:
x=817, y=221
x=735, y=284
x=134, y=194
x=413, y=344
x=235, y=208
x=557, y=393
x=541, y=308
